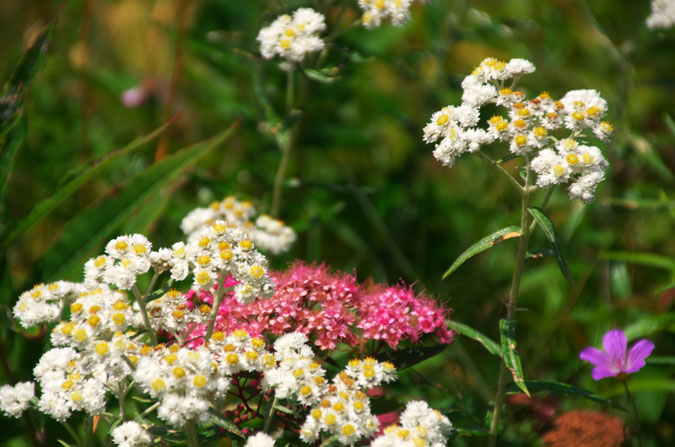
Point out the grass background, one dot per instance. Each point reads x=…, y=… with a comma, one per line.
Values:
x=363, y=191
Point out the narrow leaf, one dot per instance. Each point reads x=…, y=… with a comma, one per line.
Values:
x=507, y=328
x=561, y=389
x=97, y=222
x=482, y=245
x=9, y=148
x=547, y=226
x=648, y=259
x=47, y=205
x=662, y=360
x=488, y=343
x=406, y=358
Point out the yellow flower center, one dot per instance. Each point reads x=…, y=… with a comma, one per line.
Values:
x=572, y=159
x=520, y=140
x=158, y=384
x=442, y=120
x=199, y=381
x=348, y=430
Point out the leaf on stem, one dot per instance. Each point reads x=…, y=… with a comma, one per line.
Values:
x=546, y=224
x=487, y=342
x=507, y=328
x=561, y=389
x=484, y=244
x=406, y=358
x=221, y=421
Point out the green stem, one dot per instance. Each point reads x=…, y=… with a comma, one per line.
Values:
x=285, y=143
x=152, y=284
x=513, y=298
x=88, y=430
x=214, y=312
x=635, y=411
x=72, y=433
x=269, y=415
x=144, y=313
x=191, y=434
x=499, y=166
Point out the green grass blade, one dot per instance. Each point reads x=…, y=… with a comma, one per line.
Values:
x=507, y=328
x=99, y=221
x=648, y=259
x=561, y=389
x=487, y=342
x=482, y=245
x=47, y=205
x=546, y=224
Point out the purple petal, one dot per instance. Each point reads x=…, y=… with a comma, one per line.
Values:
x=595, y=356
x=600, y=372
x=614, y=343
x=637, y=355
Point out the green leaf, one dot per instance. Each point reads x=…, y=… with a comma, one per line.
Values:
x=482, y=245
x=98, y=221
x=47, y=205
x=220, y=420
x=661, y=360
x=489, y=344
x=11, y=103
x=547, y=226
x=649, y=325
x=562, y=389
x=320, y=76
x=648, y=259
x=507, y=328
x=472, y=430
x=9, y=148
x=406, y=358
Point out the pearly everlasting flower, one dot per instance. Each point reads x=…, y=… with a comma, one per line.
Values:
x=376, y=11
x=613, y=361
x=43, y=303
x=15, y=399
x=662, y=14
x=293, y=37
x=266, y=232
x=260, y=440
x=526, y=127
x=131, y=434
x=418, y=425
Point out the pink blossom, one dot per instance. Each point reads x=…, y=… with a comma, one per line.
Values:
x=613, y=361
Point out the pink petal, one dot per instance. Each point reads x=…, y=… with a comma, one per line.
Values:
x=614, y=342
x=600, y=372
x=637, y=355
x=595, y=356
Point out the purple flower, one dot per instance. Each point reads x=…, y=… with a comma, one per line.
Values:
x=613, y=361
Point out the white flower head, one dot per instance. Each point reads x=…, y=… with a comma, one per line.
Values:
x=662, y=14
x=15, y=399
x=131, y=434
x=260, y=440
x=293, y=37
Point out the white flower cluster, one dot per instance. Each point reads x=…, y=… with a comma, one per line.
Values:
x=293, y=37
x=419, y=425
x=15, y=399
x=662, y=14
x=526, y=127
x=131, y=434
x=43, y=303
x=376, y=11
x=270, y=234
x=260, y=440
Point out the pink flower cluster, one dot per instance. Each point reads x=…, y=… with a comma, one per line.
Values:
x=331, y=308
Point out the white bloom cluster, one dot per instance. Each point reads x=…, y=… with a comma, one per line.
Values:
x=662, y=14
x=526, y=127
x=419, y=425
x=15, y=399
x=293, y=37
x=342, y=408
x=259, y=440
x=270, y=234
x=126, y=257
x=43, y=303
x=131, y=434
x=376, y=11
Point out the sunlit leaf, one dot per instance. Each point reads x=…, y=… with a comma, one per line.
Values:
x=482, y=245
x=507, y=329
x=488, y=343
x=549, y=230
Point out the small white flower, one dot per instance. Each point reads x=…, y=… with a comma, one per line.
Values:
x=131, y=434
x=293, y=37
x=15, y=399
x=662, y=14
x=260, y=440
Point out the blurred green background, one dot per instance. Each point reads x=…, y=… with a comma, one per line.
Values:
x=363, y=191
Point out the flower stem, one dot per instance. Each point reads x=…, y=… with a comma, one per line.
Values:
x=191, y=434
x=499, y=166
x=635, y=411
x=72, y=433
x=285, y=145
x=144, y=313
x=513, y=298
x=269, y=415
x=214, y=312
